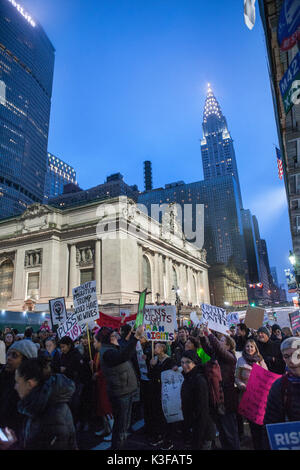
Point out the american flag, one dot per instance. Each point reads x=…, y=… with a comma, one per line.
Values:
x=279, y=163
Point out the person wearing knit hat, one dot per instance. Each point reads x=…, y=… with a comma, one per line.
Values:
x=199, y=428
x=17, y=353
x=270, y=351
x=27, y=348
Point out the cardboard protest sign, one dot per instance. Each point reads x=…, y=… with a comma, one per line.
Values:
x=171, y=383
x=254, y=317
x=69, y=328
x=58, y=312
x=254, y=401
x=160, y=322
x=141, y=309
x=284, y=436
x=86, y=303
x=295, y=322
x=215, y=317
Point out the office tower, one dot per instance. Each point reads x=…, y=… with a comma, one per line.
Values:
x=218, y=155
x=26, y=76
x=58, y=175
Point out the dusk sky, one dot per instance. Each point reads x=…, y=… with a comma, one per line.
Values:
x=130, y=83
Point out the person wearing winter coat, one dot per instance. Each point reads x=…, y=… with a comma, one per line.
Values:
x=178, y=346
x=284, y=397
x=44, y=402
x=121, y=380
x=160, y=430
x=270, y=351
x=195, y=403
x=19, y=352
x=277, y=334
x=250, y=356
x=74, y=366
x=223, y=350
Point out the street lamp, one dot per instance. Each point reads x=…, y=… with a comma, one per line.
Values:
x=177, y=303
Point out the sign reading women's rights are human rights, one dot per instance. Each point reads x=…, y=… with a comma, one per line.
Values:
x=160, y=322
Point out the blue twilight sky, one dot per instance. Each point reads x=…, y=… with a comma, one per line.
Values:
x=130, y=83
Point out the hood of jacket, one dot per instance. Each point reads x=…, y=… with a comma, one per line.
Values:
x=57, y=389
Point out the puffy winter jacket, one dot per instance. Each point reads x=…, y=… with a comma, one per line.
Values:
x=49, y=423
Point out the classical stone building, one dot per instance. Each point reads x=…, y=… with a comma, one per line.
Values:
x=46, y=252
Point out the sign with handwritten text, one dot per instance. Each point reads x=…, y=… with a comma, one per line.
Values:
x=254, y=401
x=69, y=328
x=215, y=317
x=160, y=323
x=86, y=304
x=171, y=383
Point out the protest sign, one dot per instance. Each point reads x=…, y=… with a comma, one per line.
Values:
x=160, y=322
x=141, y=362
x=254, y=401
x=233, y=318
x=283, y=318
x=141, y=308
x=109, y=321
x=58, y=313
x=86, y=303
x=171, y=383
x=215, y=317
x=195, y=319
x=295, y=322
x=69, y=328
x=284, y=436
x=254, y=317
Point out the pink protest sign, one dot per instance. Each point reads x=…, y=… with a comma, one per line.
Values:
x=254, y=401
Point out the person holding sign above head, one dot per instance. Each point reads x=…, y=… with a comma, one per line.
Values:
x=121, y=380
x=195, y=403
x=160, y=429
x=250, y=356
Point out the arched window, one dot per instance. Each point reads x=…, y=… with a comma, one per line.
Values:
x=146, y=273
x=6, y=282
x=175, y=279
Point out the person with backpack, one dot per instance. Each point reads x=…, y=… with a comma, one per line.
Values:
x=195, y=403
x=250, y=356
x=284, y=397
x=223, y=351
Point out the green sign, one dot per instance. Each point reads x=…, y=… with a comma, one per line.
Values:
x=141, y=309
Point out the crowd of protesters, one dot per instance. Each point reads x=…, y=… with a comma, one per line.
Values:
x=51, y=389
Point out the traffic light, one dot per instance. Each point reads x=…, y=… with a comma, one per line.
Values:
x=253, y=304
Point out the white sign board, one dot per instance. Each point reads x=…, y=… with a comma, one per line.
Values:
x=171, y=383
x=215, y=317
x=283, y=318
x=69, y=328
x=195, y=319
x=86, y=304
x=58, y=311
x=160, y=322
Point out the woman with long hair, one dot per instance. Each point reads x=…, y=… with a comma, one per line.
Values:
x=250, y=356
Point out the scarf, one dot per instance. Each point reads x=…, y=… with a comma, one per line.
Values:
x=292, y=378
x=251, y=358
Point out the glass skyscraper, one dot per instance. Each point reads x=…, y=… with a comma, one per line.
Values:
x=26, y=77
x=218, y=156
x=58, y=174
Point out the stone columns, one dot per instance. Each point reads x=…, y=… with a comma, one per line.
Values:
x=72, y=269
x=98, y=266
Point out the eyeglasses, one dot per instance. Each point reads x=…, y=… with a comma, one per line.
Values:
x=286, y=357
